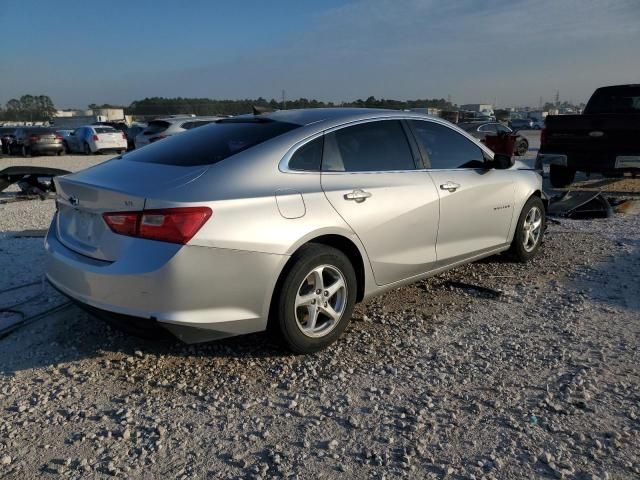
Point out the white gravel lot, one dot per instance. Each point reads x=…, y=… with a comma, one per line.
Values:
x=429, y=381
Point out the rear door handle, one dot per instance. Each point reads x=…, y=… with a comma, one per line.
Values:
x=450, y=186
x=358, y=195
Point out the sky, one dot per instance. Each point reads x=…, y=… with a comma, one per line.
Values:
x=508, y=52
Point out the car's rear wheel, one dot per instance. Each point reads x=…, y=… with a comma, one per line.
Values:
x=529, y=231
x=315, y=299
x=560, y=176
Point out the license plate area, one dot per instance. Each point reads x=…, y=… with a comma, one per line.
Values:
x=82, y=227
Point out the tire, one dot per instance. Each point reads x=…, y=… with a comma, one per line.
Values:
x=298, y=287
x=525, y=246
x=560, y=176
x=522, y=148
x=87, y=149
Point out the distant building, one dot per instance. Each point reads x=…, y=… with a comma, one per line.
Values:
x=429, y=111
x=72, y=118
x=484, y=108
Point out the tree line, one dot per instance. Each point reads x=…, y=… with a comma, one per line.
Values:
x=156, y=106
x=38, y=108
x=32, y=108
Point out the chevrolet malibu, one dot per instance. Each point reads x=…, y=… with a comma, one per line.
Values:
x=284, y=221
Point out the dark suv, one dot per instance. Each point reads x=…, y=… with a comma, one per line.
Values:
x=37, y=140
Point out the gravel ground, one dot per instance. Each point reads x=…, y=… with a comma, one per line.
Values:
x=431, y=380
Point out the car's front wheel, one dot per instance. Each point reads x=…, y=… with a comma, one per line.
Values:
x=315, y=299
x=529, y=231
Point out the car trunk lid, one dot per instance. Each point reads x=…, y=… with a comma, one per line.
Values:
x=114, y=186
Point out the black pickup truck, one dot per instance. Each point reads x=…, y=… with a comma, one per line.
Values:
x=604, y=139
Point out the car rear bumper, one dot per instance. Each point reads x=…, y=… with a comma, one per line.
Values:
x=46, y=147
x=197, y=293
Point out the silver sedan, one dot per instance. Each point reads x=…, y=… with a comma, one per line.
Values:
x=284, y=220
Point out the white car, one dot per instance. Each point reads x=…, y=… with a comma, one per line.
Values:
x=166, y=127
x=95, y=139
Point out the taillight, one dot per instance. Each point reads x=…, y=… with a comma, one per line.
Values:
x=543, y=136
x=34, y=138
x=95, y=138
x=175, y=225
x=123, y=223
x=59, y=137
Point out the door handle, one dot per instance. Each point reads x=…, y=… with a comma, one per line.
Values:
x=450, y=186
x=358, y=195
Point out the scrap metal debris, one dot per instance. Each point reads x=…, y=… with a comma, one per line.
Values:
x=13, y=316
x=36, y=181
x=580, y=205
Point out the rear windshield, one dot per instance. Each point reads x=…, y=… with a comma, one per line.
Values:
x=105, y=130
x=614, y=100
x=212, y=143
x=156, y=126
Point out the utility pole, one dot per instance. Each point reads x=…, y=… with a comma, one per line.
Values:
x=284, y=100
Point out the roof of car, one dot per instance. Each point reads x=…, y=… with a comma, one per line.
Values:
x=332, y=116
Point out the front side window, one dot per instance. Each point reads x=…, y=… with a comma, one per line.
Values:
x=446, y=148
x=368, y=147
x=308, y=157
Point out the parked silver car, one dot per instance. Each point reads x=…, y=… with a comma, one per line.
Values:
x=284, y=219
x=166, y=127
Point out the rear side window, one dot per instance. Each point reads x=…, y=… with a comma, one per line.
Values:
x=104, y=130
x=156, y=126
x=446, y=148
x=211, y=143
x=308, y=157
x=368, y=147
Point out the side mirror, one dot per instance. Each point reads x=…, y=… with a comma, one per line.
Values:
x=502, y=162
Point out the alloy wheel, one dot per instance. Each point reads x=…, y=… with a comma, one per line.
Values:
x=531, y=229
x=320, y=301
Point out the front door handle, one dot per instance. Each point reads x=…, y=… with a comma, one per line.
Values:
x=358, y=195
x=450, y=186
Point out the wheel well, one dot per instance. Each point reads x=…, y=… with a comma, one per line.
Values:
x=349, y=248
x=545, y=200
x=339, y=242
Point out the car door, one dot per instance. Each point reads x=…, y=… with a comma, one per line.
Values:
x=476, y=202
x=370, y=177
x=74, y=140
